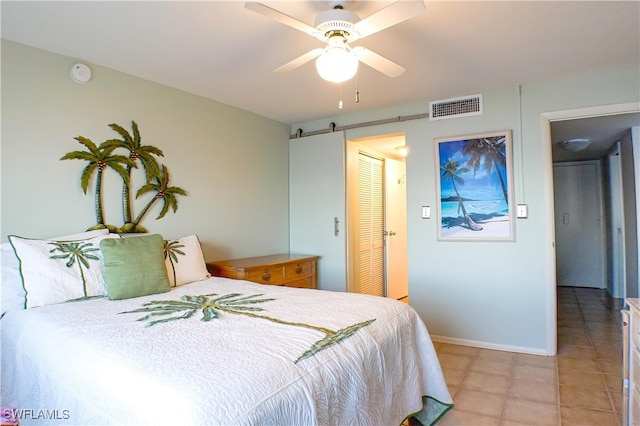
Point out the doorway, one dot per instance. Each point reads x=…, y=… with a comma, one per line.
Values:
x=550, y=145
x=377, y=230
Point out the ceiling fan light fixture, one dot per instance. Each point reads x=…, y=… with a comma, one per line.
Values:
x=338, y=62
x=337, y=27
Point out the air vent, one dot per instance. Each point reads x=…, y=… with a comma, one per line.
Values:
x=455, y=107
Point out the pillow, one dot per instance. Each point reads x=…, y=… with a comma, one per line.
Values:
x=56, y=271
x=12, y=294
x=184, y=261
x=134, y=266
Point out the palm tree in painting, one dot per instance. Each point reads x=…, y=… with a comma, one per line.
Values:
x=99, y=158
x=171, y=252
x=489, y=152
x=168, y=194
x=452, y=171
x=235, y=303
x=75, y=252
x=137, y=152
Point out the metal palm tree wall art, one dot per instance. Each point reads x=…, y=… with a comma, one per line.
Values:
x=137, y=152
x=102, y=156
x=238, y=304
x=99, y=158
x=168, y=195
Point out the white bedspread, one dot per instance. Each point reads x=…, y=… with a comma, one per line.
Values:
x=89, y=363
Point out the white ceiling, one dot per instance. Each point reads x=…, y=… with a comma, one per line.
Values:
x=223, y=51
x=602, y=132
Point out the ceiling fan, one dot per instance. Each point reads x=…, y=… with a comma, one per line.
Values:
x=338, y=62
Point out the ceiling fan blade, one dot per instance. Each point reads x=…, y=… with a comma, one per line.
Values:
x=271, y=13
x=389, y=16
x=300, y=60
x=378, y=62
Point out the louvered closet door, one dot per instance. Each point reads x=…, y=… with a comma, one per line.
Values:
x=371, y=225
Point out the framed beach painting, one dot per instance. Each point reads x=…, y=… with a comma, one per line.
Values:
x=475, y=187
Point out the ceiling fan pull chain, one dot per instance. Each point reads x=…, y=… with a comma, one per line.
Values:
x=357, y=91
x=340, y=97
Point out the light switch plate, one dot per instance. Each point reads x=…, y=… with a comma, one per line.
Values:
x=426, y=212
x=522, y=211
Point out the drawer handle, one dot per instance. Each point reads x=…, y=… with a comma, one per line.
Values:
x=299, y=269
x=266, y=276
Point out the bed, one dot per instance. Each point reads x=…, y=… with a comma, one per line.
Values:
x=219, y=351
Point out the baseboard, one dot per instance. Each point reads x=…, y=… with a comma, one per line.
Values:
x=492, y=346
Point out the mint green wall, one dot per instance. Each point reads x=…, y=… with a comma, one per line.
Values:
x=234, y=164
x=491, y=294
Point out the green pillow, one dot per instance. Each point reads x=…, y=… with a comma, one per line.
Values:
x=134, y=266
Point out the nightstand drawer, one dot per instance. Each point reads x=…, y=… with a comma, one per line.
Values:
x=309, y=282
x=267, y=275
x=298, y=270
x=290, y=270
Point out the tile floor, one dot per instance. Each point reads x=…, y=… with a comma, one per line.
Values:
x=582, y=385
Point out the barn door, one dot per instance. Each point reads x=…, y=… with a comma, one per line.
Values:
x=317, y=205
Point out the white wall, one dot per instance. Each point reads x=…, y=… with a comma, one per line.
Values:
x=491, y=294
x=233, y=164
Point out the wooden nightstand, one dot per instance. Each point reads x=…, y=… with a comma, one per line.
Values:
x=290, y=270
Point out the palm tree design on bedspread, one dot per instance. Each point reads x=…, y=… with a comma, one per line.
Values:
x=238, y=304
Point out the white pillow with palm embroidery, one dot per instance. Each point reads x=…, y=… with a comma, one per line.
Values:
x=12, y=295
x=184, y=260
x=56, y=271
